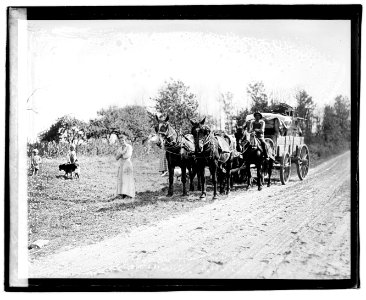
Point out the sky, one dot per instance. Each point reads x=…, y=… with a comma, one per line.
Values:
x=80, y=67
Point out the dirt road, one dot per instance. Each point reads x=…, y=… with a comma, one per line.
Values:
x=301, y=230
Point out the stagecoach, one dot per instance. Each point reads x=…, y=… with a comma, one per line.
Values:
x=283, y=134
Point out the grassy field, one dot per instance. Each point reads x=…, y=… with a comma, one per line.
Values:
x=76, y=212
x=80, y=211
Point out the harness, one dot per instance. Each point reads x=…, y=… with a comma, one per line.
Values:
x=254, y=142
x=208, y=141
x=165, y=134
x=244, y=143
x=171, y=146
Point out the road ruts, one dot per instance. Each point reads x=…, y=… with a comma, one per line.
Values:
x=297, y=231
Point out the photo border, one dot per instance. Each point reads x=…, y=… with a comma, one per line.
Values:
x=204, y=12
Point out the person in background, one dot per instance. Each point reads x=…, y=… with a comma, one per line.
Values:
x=71, y=155
x=155, y=139
x=125, y=180
x=35, y=162
x=163, y=162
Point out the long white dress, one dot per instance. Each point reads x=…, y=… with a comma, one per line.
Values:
x=125, y=180
x=163, y=163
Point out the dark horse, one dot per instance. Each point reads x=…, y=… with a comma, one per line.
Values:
x=239, y=161
x=209, y=153
x=249, y=146
x=179, y=152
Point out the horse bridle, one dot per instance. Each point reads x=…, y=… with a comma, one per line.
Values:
x=166, y=132
x=243, y=143
x=206, y=141
x=171, y=144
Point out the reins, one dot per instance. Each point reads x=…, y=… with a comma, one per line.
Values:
x=243, y=142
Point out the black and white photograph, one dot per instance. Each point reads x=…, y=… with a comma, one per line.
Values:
x=162, y=144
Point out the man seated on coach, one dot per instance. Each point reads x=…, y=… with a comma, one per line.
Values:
x=258, y=126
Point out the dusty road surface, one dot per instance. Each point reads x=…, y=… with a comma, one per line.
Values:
x=301, y=230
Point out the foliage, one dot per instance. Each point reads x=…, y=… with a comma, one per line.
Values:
x=333, y=133
x=226, y=99
x=175, y=99
x=135, y=122
x=210, y=120
x=280, y=108
x=67, y=129
x=342, y=108
x=321, y=149
x=259, y=97
x=274, y=102
x=93, y=147
x=241, y=116
x=329, y=123
x=305, y=109
x=336, y=122
x=106, y=124
x=95, y=129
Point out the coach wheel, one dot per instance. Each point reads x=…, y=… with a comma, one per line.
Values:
x=285, y=168
x=303, y=162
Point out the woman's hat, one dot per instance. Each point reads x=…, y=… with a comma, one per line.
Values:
x=258, y=113
x=72, y=146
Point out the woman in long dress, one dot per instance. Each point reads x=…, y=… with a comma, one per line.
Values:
x=125, y=180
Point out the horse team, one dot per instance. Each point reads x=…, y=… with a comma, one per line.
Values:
x=223, y=154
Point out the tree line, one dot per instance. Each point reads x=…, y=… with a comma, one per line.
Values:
x=326, y=132
x=331, y=128
x=134, y=121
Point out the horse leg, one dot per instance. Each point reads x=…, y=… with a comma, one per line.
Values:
x=249, y=175
x=184, y=178
x=213, y=170
x=171, y=180
x=191, y=185
x=259, y=176
x=270, y=167
x=221, y=181
x=228, y=177
x=198, y=179
x=191, y=177
x=220, y=177
x=242, y=172
x=201, y=177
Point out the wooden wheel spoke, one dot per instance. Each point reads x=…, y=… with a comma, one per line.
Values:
x=285, y=168
x=303, y=162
